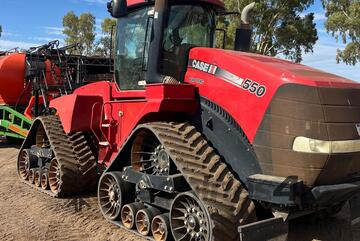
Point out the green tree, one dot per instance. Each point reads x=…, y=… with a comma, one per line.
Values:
x=103, y=46
x=80, y=30
x=343, y=21
x=0, y=30
x=280, y=27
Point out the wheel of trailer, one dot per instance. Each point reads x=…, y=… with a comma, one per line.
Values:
x=189, y=218
x=26, y=161
x=54, y=176
x=113, y=193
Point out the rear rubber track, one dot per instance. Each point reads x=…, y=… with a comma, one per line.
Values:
x=77, y=162
x=222, y=194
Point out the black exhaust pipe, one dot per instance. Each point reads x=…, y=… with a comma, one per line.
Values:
x=243, y=34
x=161, y=12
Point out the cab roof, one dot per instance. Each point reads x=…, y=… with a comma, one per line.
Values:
x=133, y=4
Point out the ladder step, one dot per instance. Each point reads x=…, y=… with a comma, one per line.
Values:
x=104, y=143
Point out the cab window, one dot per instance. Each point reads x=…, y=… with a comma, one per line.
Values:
x=131, y=52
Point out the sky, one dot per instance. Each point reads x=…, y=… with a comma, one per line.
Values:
x=31, y=23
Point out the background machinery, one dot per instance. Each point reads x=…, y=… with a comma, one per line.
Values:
x=30, y=79
x=198, y=143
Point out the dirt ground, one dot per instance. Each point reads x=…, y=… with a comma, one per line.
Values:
x=28, y=215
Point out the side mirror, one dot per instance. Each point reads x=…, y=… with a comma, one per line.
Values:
x=117, y=8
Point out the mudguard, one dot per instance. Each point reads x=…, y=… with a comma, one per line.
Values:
x=78, y=112
x=226, y=135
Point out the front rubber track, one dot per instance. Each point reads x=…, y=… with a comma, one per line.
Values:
x=222, y=194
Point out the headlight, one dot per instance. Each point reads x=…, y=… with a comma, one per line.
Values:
x=308, y=145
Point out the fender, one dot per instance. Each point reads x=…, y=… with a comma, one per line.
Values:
x=81, y=111
x=77, y=112
x=224, y=133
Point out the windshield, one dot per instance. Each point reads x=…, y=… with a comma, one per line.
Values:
x=188, y=26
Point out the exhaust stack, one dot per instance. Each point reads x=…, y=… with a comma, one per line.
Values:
x=244, y=32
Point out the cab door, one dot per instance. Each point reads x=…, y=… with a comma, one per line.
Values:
x=132, y=45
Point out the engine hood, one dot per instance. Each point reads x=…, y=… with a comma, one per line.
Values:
x=272, y=69
x=244, y=84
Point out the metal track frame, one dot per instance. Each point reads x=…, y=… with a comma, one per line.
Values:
x=222, y=194
x=78, y=164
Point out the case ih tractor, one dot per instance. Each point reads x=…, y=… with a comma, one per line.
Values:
x=30, y=79
x=198, y=143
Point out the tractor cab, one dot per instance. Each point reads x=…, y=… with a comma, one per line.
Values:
x=150, y=48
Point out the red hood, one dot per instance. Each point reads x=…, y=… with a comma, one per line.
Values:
x=273, y=68
x=244, y=84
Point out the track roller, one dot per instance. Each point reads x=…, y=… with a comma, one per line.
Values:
x=37, y=177
x=26, y=161
x=113, y=193
x=44, y=180
x=160, y=228
x=144, y=218
x=128, y=213
x=189, y=218
x=32, y=175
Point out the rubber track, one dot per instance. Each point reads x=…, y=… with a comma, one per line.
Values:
x=77, y=162
x=209, y=177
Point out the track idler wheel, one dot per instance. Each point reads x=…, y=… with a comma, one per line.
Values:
x=144, y=218
x=160, y=228
x=26, y=161
x=113, y=193
x=37, y=177
x=54, y=175
x=128, y=213
x=189, y=218
x=44, y=180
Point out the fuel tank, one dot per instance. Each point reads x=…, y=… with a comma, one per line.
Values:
x=12, y=78
x=300, y=121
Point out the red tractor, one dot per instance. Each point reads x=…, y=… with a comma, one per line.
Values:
x=198, y=143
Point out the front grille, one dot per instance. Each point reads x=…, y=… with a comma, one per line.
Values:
x=328, y=114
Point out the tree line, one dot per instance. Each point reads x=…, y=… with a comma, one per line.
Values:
x=280, y=28
x=81, y=30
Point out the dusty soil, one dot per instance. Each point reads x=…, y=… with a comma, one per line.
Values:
x=28, y=215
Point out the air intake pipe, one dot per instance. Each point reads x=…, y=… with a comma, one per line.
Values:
x=243, y=34
x=161, y=12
